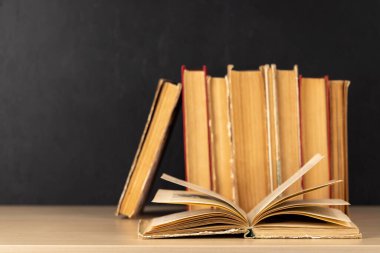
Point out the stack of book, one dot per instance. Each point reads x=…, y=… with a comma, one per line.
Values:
x=246, y=135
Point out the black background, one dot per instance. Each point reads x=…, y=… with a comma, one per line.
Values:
x=77, y=79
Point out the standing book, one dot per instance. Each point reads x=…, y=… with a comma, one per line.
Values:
x=285, y=85
x=338, y=142
x=222, y=166
x=250, y=136
x=315, y=134
x=275, y=216
x=196, y=127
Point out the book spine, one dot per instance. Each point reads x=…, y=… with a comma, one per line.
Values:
x=345, y=129
x=278, y=168
x=298, y=77
x=212, y=186
x=268, y=104
x=211, y=126
x=300, y=123
x=183, y=68
x=232, y=142
x=328, y=127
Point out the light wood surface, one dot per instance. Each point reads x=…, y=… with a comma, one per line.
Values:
x=96, y=229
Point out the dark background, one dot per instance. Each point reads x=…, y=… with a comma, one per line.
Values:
x=77, y=79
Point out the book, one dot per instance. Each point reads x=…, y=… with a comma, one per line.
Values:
x=314, y=116
x=286, y=123
x=195, y=127
x=222, y=162
x=149, y=149
x=273, y=131
x=338, y=129
x=275, y=216
x=249, y=136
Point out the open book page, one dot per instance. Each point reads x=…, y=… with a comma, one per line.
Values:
x=289, y=224
x=205, y=191
x=279, y=200
x=193, y=198
x=291, y=196
x=191, y=222
x=300, y=203
x=321, y=213
x=305, y=229
x=308, y=202
x=276, y=193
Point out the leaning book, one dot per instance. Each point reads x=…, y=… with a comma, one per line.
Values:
x=276, y=216
x=150, y=148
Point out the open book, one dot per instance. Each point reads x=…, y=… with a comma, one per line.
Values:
x=276, y=216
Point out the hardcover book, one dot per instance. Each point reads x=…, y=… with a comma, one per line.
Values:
x=149, y=150
x=223, y=166
x=315, y=134
x=196, y=127
x=284, y=84
x=249, y=136
x=338, y=142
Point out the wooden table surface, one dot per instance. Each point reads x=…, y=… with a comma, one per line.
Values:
x=96, y=229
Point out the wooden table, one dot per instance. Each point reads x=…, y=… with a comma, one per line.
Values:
x=96, y=229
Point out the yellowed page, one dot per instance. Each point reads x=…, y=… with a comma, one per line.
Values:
x=299, y=224
x=305, y=229
x=195, y=218
x=276, y=193
x=303, y=203
x=312, y=202
x=294, y=195
x=205, y=191
x=191, y=198
x=321, y=213
x=173, y=224
x=178, y=217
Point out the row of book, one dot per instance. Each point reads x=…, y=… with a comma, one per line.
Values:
x=246, y=133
